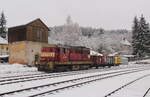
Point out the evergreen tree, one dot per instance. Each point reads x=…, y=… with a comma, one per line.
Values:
x=147, y=42
x=143, y=31
x=3, y=31
x=141, y=36
x=135, y=30
x=144, y=27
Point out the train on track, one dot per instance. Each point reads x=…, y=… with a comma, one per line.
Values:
x=65, y=58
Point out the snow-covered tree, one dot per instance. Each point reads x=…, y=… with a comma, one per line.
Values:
x=135, y=32
x=145, y=39
x=141, y=36
x=3, y=31
x=71, y=32
x=97, y=39
x=67, y=34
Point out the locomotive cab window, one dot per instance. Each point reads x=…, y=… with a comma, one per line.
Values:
x=63, y=50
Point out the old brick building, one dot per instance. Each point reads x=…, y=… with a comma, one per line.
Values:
x=35, y=31
x=26, y=41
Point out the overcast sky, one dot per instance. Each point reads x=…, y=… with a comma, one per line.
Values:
x=108, y=14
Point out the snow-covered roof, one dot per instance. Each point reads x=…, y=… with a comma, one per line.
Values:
x=128, y=55
x=95, y=53
x=125, y=42
x=3, y=41
x=4, y=56
x=113, y=54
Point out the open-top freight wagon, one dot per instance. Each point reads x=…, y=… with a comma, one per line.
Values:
x=65, y=58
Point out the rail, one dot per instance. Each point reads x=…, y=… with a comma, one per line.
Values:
x=109, y=94
x=146, y=92
x=77, y=79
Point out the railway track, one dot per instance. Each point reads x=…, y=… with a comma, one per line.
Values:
x=129, y=83
x=57, y=86
x=146, y=93
x=26, y=78
x=15, y=76
x=20, y=74
x=39, y=76
x=37, y=73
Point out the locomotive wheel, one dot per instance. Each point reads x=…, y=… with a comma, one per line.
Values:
x=76, y=67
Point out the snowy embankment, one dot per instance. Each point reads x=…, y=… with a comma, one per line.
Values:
x=15, y=68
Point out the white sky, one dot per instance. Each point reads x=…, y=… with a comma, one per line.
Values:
x=108, y=14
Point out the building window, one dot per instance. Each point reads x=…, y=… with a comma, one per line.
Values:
x=7, y=48
x=39, y=33
x=2, y=47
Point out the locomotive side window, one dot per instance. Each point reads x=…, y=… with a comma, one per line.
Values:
x=62, y=50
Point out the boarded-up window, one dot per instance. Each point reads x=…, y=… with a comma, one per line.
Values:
x=39, y=33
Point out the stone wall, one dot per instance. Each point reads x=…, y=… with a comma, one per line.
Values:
x=24, y=52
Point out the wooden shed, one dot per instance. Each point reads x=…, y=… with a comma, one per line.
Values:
x=35, y=31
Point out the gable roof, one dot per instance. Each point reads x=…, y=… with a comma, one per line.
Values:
x=38, y=19
x=125, y=42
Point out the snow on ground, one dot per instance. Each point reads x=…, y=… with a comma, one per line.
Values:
x=146, y=61
x=48, y=81
x=103, y=87
x=148, y=94
x=15, y=68
x=3, y=41
x=96, y=89
x=136, y=89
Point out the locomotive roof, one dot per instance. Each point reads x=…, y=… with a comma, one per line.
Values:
x=94, y=53
x=67, y=46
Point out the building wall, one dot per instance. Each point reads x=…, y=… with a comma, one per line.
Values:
x=125, y=49
x=4, y=50
x=32, y=49
x=36, y=28
x=17, y=34
x=24, y=52
x=17, y=52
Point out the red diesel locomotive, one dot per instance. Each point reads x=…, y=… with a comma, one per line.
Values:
x=65, y=58
x=62, y=58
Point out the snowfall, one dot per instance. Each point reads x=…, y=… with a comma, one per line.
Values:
x=94, y=89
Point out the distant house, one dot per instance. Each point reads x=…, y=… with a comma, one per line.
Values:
x=26, y=41
x=4, y=50
x=35, y=31
x=126, y=47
